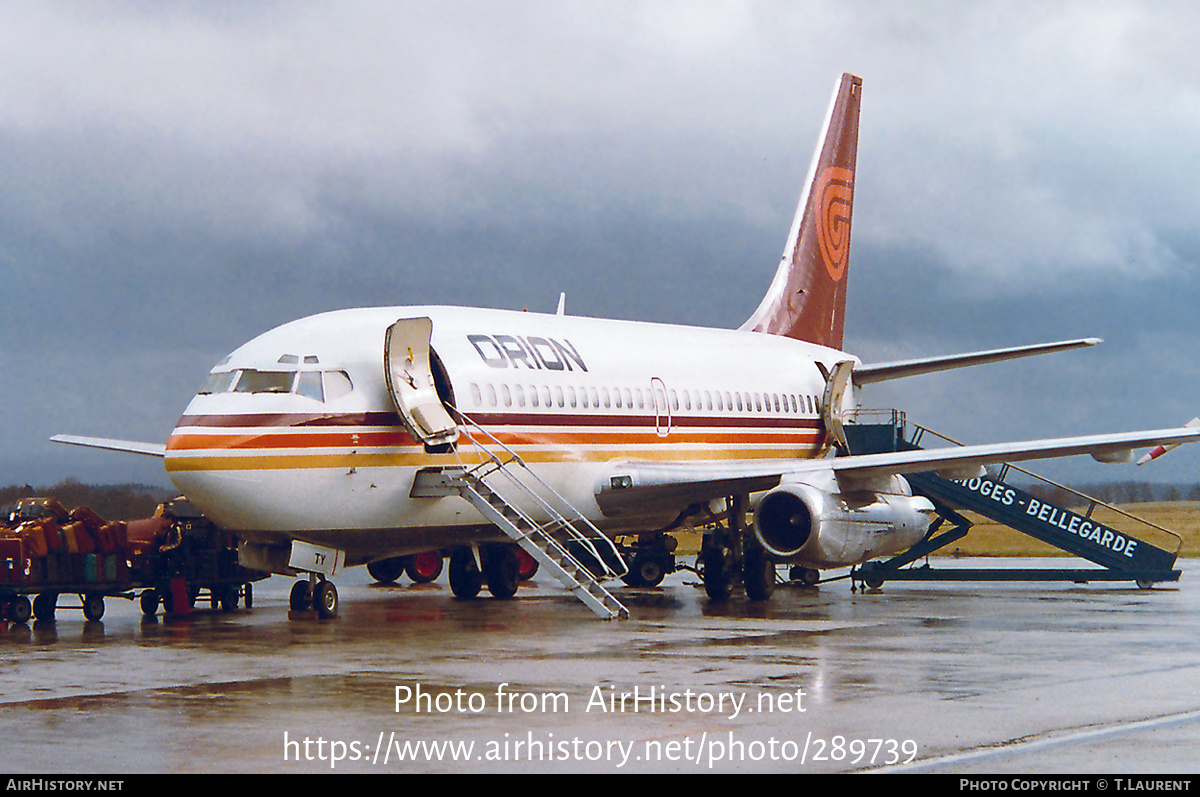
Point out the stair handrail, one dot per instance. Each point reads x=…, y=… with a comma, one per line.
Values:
x=567, y=523
x=1093, y=502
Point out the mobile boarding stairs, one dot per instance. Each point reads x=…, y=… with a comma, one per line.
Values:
x=501, y=487
x=1127, y=548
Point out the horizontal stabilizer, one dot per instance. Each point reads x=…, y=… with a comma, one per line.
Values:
x=882, y=372
x=128, y=446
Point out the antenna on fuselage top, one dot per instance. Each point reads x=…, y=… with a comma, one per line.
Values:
x=562, y=304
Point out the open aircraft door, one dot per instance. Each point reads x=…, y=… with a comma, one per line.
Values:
x=412, y=384
x=836, y=382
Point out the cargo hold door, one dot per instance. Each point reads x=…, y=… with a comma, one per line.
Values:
x=411, y=382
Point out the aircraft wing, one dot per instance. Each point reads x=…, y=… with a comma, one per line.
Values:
x=128, y=446
x=649, y=485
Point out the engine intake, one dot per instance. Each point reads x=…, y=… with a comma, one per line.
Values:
x=786, y=518
x=800, y=523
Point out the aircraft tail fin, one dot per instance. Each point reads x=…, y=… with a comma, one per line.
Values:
x=807, y=298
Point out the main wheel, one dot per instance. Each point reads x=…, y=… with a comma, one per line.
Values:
x=759, y=577
x=528, y=565
x=228, y=597
x=385, y=571
x=717, y=582
x=325, y=598
x=93, y=606
x=465, y=578
x=502, y=571
x=424, y=567
x=44, y=605
x=301, y=597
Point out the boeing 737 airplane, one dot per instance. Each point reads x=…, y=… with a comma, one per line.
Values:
x=362, y=435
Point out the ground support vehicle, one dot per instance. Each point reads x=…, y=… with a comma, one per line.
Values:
x=171, y=560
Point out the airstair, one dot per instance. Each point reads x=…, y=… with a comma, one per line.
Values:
x=508, y=494
x=1126, y=547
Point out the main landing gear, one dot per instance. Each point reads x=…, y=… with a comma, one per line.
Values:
x=422, y=568
x=314, y=593
x=497, y=565
x=729, y=554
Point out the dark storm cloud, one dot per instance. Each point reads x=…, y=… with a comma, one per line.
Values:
x=179, y=177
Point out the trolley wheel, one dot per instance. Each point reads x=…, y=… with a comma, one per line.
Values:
x=649, y=569
x=873, y=582
x=93, y=606
x=424, y=567
x=44, y=605
x=19, y=611
x=1143, y=584
x=325, y=598
x=301, y=597
x=149, y=601
x=248, y=595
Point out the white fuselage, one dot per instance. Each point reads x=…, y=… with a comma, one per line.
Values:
x=295, y=435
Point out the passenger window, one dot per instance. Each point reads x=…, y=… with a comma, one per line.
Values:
x=520, y=395
x=491, y=395
x=476, y=396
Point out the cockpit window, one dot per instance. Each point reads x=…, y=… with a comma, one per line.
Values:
x=321, y=386
x=218, y=382
x=309, y=385
x=252, y=381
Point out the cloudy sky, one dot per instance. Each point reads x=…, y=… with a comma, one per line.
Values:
x=180, y=176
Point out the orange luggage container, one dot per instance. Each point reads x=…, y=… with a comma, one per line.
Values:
x=88, y=518
x=35, y=539
x=77, y=538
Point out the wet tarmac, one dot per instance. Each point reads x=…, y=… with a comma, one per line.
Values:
x=955, y=678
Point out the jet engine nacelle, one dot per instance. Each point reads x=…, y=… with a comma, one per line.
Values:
x=806, y=525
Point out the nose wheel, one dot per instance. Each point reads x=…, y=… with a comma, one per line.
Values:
x=314, y=594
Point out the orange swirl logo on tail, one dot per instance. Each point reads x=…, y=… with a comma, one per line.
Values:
x=835, y=196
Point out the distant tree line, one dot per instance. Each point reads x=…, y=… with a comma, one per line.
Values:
x=110, y=501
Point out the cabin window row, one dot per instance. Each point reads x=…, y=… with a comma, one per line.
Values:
x=489, y=396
